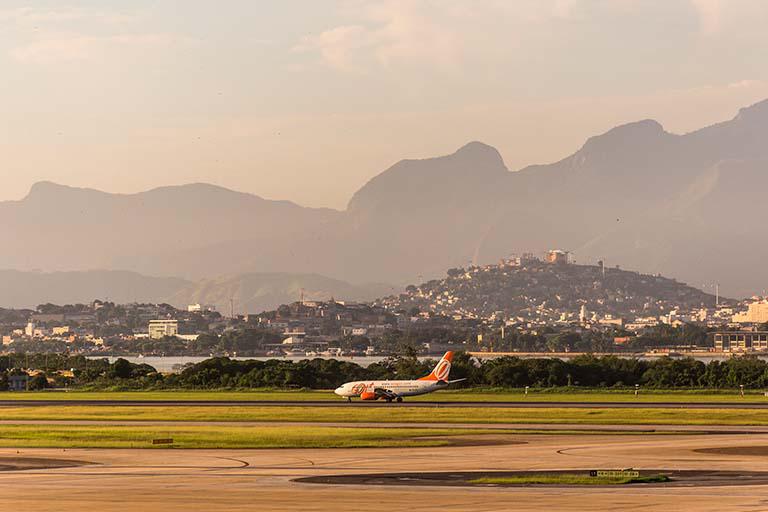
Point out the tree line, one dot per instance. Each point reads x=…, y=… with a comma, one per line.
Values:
x=504, y=372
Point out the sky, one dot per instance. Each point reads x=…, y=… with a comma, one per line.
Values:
x=307, y=100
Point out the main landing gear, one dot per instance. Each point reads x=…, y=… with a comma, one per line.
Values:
x=398, y=400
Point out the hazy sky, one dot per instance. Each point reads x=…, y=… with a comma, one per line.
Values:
x=308, y=99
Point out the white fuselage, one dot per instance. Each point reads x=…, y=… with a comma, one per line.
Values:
x=397, y=387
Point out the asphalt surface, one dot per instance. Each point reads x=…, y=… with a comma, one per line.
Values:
x=421, y=404
x=240, y=480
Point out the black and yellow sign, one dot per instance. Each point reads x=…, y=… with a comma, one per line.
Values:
x=162, y=441
x=624, y=473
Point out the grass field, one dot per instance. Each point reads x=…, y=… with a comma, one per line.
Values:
x=85, y=436
x=389, y=415
x=481, y=395
x=568, y=479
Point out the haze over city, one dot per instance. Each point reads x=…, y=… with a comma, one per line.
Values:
x=306, y=101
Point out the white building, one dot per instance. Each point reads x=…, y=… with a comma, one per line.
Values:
x=583, y=314
x=557, y=256
x=757, y=313
x=610, y=320
x=159, y=329
x=200, y=308
x=294, y=338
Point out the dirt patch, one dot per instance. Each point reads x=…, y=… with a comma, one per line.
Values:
x=30, y=463
x=463, y=479
x=757, y=451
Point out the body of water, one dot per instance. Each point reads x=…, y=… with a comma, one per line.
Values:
x=168, y=364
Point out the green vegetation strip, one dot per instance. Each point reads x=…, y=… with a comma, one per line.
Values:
x=569, y=479
x=624, y=416
x=482, y=395
x=86, y=436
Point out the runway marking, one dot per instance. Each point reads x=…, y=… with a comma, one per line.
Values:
x=243, y=464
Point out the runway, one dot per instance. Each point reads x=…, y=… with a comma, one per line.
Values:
x=234, y=480
x=413, y=404
x=513, y=427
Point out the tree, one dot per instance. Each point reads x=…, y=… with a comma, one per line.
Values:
x=671, y=373
x=563, y=342
x=38, y=382
x=121, y=369
x=463, y=367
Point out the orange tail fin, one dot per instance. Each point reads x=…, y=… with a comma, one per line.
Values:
x=443, y=368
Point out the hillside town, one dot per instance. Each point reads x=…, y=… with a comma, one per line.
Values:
x=537, y=293
x=487, y=308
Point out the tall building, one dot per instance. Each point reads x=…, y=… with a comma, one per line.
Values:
x=159, y=329
x=757, y=313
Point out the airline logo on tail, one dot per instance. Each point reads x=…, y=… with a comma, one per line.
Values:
x=442, y=370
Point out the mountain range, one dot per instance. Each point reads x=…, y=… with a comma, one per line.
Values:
x=251, y=293
x=688, y=206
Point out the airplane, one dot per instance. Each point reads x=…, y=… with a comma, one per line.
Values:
x=397, y=389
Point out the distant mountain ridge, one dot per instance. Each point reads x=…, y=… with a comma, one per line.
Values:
x=252, y=293
x=635, y=195
x=259, y=292
x=29, y=289
x=165, y=231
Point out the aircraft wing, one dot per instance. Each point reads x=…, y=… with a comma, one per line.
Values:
x=457, y=380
